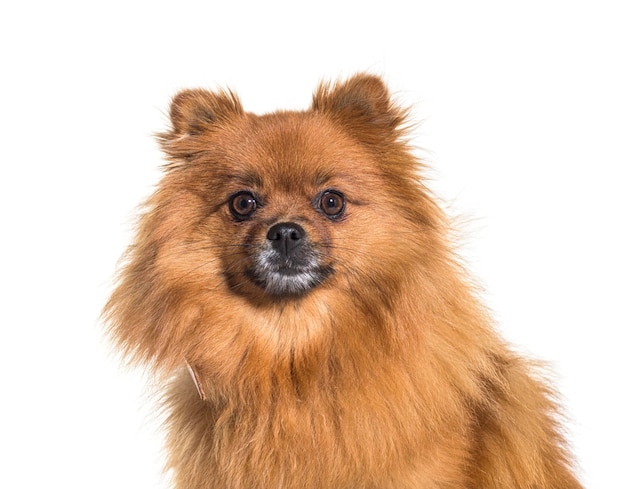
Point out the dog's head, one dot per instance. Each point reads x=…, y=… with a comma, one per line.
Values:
x=323, y=205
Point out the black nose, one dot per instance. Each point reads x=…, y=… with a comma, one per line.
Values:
x=286, y=237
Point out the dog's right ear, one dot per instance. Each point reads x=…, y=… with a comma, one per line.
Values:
x=195, y=111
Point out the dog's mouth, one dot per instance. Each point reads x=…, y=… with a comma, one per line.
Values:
x=287, y=276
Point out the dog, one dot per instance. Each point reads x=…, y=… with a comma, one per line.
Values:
x=293, y=282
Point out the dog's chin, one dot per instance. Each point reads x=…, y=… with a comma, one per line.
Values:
x=289, y=282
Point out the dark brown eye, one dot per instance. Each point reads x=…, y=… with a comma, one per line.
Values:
x=242, y=205
x=332, y=203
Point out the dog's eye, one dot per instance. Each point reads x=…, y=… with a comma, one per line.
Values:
x=242, y=205
x=332, y=203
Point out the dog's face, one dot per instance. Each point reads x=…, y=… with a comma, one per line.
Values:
x=277, y=206
x=282, y=238
x=284, y=207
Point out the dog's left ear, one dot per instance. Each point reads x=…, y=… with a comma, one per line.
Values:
x=361, y=103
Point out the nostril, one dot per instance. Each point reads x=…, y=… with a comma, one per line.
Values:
x=273, y=234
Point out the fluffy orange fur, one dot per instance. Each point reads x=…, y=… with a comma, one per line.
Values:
x=385, y=373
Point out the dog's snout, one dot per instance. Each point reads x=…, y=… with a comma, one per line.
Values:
x=285, y=237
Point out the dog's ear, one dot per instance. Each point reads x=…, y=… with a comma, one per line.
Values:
x=362, y=103
x=193, y=111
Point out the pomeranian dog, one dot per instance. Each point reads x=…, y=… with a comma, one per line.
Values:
x=293, y=280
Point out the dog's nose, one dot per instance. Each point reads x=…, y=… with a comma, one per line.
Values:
x=285, y=237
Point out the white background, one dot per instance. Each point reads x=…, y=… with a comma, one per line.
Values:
x=523, y=114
